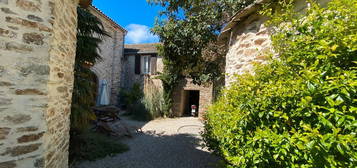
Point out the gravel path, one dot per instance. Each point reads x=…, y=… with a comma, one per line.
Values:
x=164, y=143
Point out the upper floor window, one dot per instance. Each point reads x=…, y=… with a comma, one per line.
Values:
x=146, y=64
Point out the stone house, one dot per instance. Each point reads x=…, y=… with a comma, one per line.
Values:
x=142, y=64
x=249, y=39
x=112, y=52
x=140, y=61
x=37, y=53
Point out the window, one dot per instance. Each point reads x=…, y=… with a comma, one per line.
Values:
x=147, y=63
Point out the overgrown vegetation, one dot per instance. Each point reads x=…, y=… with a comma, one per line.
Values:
x=155, y=104
x=85, y=145
x=299, y=110
x=131, y=96
x=188, y=35
x=144, y=107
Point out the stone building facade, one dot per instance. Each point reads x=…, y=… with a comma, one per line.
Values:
x=37, y=51
x=187, y=94
x=140, y=61
x=112, y=52
x=249, y=39
x=141, y=66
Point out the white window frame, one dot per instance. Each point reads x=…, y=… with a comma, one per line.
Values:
x=146, y=65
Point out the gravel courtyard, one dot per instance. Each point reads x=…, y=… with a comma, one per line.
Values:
x=163, y=143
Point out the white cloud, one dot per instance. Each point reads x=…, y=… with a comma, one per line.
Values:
x=140, y=34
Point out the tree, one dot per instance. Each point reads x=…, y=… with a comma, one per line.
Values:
x=90, y=34
x=188, y=32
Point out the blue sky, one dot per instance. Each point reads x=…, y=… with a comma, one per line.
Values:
x=136, y=16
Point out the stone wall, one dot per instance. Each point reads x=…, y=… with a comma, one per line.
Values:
x=132, y=78
x=37, y=51
x=129, y=73
x=151, y=84
x=112, y=51
x=205, y=98
x=250, y=43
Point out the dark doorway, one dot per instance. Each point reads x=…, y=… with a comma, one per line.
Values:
x=192, y=98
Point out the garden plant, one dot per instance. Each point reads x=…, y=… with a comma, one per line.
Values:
x=300, y=109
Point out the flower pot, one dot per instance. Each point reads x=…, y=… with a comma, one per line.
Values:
x=85, y=3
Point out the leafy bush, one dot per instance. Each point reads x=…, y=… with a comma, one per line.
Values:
x=144, y=107
x=299, y=110
x=139, y=112
x=132, y=96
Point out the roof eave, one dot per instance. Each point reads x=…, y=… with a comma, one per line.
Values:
x=114, y=24
x=141, y=53
x=238, y=16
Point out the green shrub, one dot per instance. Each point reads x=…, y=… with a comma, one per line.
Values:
x=139, y=112
x=299, y=110
x=144, y=107
x=150, y=107
x=132, y=96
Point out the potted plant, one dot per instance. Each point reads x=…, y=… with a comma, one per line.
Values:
x=85, y=3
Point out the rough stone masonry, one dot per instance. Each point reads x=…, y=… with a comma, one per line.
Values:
x=37, y=51
x=249, y=39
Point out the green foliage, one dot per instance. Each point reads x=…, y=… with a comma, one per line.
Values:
x=188, y=34
x=92, y=146
x=188, y=30
x=170, y=79
x=144, y=107
x=139, y=112
x=83, y=99
x=132, y=95
x=299, y=110
x=90, y=34
x=154, y=102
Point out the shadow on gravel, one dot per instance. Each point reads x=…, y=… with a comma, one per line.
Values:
x=156, y=150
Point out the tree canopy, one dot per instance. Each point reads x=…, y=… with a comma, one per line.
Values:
x=188, y=31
